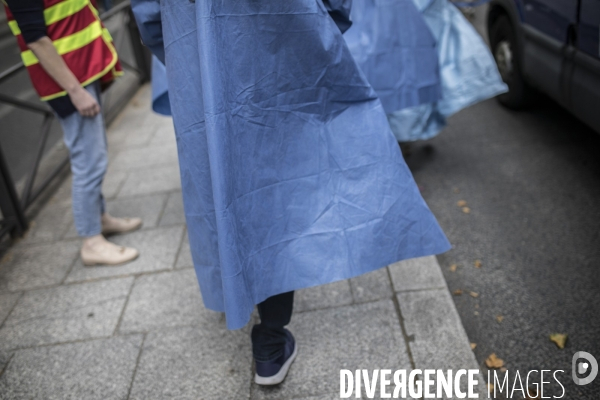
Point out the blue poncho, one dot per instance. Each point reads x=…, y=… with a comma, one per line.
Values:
x=389, y=37
x=290, y=174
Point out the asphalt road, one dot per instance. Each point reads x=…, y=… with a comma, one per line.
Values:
x=532, y=183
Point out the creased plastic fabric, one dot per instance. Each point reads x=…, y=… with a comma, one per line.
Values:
x=396, y=51
x=467, y=70
x=290, y=174
x=339, y=11
x=160, y=89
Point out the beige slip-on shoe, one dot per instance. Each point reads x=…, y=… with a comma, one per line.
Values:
x=112, y=225
x=107, y=253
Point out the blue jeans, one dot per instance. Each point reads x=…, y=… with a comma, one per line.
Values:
x=86, y=140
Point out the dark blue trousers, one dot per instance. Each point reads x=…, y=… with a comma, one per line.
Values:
x=268, y=337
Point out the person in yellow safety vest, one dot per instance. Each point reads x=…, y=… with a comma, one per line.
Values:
x=69, y=55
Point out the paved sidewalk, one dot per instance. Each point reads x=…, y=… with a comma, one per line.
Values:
x=139, y=331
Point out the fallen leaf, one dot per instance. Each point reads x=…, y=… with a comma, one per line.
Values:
x=473, y=345
x=453, y=268
x=466, y=210
x=474, y=294
x=7, y=258
x=476, y=313
x=494, y=362
x=499, y=318
x=457, y=292
x=560, y=339
x=503, y=369
x=490, y=388
x=478, y=264
x=461, y=203
x=532, y=394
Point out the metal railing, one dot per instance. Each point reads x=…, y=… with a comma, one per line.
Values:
x=13, y=206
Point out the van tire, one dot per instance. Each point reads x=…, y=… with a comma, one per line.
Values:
x=504, y=46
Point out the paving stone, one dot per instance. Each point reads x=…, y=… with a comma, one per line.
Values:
x=65, y=313
x=324, y=296
x=144, y=157
x=363, y=336
x=127, y=126
x=417, y=274
x=50, y=224
x=4, y=358
x=139, y=105
x=151, y=180
x=113, y=181
x=329, y=396
x=142, y=100
x=97, y=369
x=184, y=259
x=29, y=267
x=372, y=286
x=146, y=207
x=440, y=341
x=336, y=395
x=63, y=194
x=165, y=300
x=196, y=362
x=158, y=248
x=165, y=133
x=7, y=302
x=132, y=129
x=189, y=353
x=125, y=136
x=173, y=214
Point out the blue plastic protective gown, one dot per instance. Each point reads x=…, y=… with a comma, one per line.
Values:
x=394, y=48
x=468, y=73
x=290, y=174
x=400, y=64
x=160, y=89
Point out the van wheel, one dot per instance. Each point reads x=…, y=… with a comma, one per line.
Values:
x=504, y=48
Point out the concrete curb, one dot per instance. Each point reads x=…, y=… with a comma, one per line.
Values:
x=435, y=334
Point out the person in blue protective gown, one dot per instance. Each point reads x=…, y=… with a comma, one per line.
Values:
x=290, y=174
x=436, y=42
x=467, y=71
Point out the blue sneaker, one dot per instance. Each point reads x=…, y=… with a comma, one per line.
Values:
x=274, y=372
